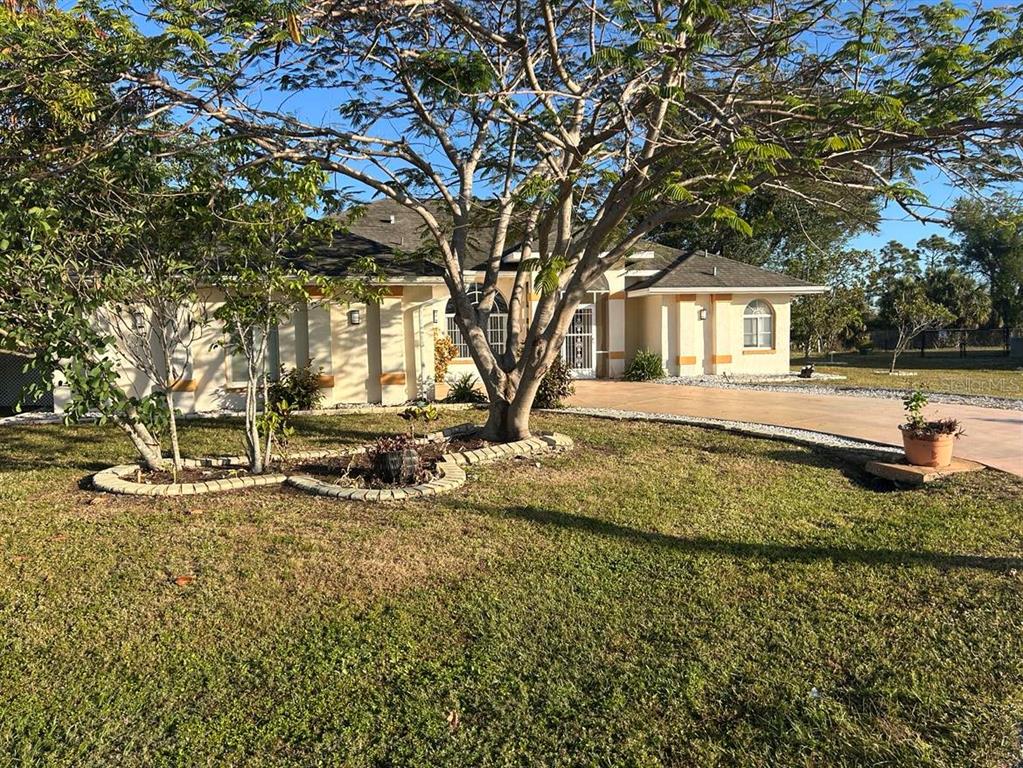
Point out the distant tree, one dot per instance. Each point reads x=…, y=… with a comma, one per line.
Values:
x=967, y=300
x=991, y=245
x=937, y=252
x=904, y=306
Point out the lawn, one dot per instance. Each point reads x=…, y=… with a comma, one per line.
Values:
x=660, y=596
x=996, y=376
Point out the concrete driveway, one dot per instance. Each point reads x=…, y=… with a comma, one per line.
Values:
x=993, y=436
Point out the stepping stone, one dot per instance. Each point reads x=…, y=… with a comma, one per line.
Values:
x=910, y=474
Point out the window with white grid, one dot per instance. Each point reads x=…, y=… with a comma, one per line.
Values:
x=497, y=323
x=758, y=325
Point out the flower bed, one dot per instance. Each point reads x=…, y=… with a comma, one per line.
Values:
x=446, y=474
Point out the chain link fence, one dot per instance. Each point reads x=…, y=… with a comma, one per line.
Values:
x=949, y=342
x=14, y=379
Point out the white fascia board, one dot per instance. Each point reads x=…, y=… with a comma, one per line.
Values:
x=792, y=290
x=641, y=272
x=640, y=256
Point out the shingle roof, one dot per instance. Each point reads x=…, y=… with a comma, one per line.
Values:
x=677, y=269
x=399, y=242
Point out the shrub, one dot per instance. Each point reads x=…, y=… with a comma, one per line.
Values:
x=444, y=351
x=463, y=390
x=298, y=387
x=919, y=427
x=645, y=366
x=555, y=387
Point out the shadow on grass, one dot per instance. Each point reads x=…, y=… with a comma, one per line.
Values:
x=760, y=551
x=849, y=462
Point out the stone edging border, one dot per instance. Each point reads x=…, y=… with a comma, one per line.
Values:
x=117, y=479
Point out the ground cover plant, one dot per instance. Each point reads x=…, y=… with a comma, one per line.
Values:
x=676, y=597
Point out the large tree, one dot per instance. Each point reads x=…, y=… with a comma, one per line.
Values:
x=574, y=128
x=991, y=245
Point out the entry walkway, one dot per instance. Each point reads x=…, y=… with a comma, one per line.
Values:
x=993, y=436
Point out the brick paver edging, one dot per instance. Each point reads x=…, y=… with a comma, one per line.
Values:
x=118, y=480
x=451, y=475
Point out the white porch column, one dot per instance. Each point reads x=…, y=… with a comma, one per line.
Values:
x=393, y=380
x=685, y=357
x=615, y=323
x=723, y=344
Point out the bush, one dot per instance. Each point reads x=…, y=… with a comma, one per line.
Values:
x=463, y=390
x=444, y=351
x=645, y=366
x=555, y=387
x=298, y=387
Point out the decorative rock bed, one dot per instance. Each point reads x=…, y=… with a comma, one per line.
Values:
x=449, y=468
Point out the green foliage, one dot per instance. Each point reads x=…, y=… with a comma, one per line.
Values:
x=991, y=245
x=919, y=427
x=645, y=366
x=423, y=413
x=914, y=404
x=300, y=387
x=464, y=390
x=556, y=386
x=448, y=75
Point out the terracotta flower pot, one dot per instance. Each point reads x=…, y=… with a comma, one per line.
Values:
x=928, y=452
x=440, y=390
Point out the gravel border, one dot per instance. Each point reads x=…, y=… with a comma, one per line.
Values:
x=980, y=401
x=749, y=428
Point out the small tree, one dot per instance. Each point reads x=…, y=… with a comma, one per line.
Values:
x=267, y=221
x=906, y=308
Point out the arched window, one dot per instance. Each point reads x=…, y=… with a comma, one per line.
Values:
x=496, y=323
x=758, y=325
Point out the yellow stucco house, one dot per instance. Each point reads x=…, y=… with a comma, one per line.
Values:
x=702, y=313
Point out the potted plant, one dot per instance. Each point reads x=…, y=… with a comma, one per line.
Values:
x=927, y=443
x=395, y=459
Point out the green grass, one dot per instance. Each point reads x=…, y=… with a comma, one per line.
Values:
x=996, y=376
x=660, y=596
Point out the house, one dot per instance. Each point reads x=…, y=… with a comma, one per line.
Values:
x=702, y=313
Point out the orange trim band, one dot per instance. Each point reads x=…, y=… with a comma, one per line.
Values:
x=314, y=291
x=686, y=359
x=324, y=381
x=759, y=351
x=617, y=295
x=721, y=297
x=720, y=359
x=394, y=291
x=392, y=379
x=616, y=355
x=184, y=385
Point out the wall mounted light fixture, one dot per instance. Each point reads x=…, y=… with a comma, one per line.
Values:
x=701, y=314
x=354, y=317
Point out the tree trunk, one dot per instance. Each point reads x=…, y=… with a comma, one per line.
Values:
x=508, y=416
x=145, y=443
x=172, y=428
x=506, y=422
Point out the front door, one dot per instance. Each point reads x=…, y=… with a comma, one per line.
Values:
x=580, y=350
